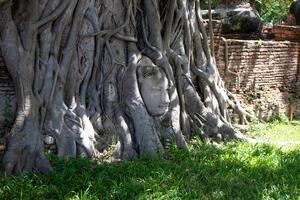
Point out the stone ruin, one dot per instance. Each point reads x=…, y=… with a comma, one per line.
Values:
x=263, y=73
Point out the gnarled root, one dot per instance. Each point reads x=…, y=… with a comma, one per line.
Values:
x=74, y=135
x=25, y=151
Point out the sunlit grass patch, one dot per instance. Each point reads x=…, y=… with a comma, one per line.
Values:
x=279, y=132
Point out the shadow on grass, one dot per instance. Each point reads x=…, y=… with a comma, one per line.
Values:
x=235, y=171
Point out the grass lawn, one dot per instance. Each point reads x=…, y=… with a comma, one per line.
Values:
x=279, y=132
x=232, y=171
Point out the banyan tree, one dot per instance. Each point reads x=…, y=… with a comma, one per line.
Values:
x=142, y=69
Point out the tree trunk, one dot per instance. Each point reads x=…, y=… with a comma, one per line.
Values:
x=140, y=69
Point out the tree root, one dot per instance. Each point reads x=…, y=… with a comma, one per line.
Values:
x=25, y=151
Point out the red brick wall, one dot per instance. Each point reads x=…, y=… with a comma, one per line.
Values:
x=289, y=33
x=217, y=29
x=260, y=64
x=268, y=71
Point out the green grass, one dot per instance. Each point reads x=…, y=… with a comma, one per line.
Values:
x=232, y=171
x=279, y=131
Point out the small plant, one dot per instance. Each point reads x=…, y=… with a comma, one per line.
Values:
x=279, y=119
x=258, y=43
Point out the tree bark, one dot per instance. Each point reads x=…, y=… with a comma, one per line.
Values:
x=83, y=67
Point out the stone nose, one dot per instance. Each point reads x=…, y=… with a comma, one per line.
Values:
x=166, y=99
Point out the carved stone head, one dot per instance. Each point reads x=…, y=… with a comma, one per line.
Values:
x=153, y=85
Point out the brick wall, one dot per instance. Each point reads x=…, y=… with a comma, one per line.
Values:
x=260, y=64
x=217, y=29
x=268, y=74
x=284, y=32
x=268, y=70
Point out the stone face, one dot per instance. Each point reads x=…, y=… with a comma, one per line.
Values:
x=153, y=85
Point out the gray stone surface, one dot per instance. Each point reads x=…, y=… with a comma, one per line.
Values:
x=237, y=20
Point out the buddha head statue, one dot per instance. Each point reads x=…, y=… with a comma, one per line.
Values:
x=153, y=85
